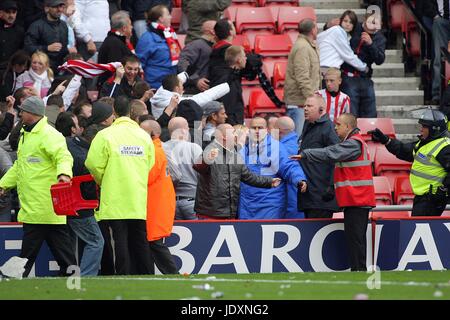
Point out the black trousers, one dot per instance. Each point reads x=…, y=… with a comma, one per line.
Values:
x=235, y=118
x=426, y=206
x=58, y=240
x=162, y=257
x=107, y=263
x=318, y=213
x=131, y=246
x=355, y=227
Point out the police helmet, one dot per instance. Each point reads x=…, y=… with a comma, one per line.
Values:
x=435, y=120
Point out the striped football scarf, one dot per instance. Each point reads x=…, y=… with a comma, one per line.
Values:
x=89, y=69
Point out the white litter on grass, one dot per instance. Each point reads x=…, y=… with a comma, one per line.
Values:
x=211, y=278
x=118, y=298
x=14, y=267
x=361, y=296
x=248, y=295
x=285, y=286
x=217, y=295
x=280, y=293
x=205, y=286
x=438, y=294
x=191, y=298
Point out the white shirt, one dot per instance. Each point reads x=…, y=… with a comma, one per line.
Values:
x=334, y=48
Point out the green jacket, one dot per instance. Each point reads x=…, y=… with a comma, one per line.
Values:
x=42, y=156
x=201, y=11
x=120, y=158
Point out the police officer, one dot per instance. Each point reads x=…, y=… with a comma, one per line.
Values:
x=431, y=162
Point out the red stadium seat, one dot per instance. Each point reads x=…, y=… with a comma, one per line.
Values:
x=293, y=34
x=411, y=34
x=263, y=3
x=386, y=164
x=276, y=45
x=372, y=146
x=269, y=64
x=181, y=39
x=249, y=3
x=384, y=124
x=242, y=40
x=254, y=19
x=375, y=215
x=289, y=17
x=176, y=18
x=396, y=9
x=259, y=102
x=279, y=73
x=177, y=3
x=230, y=13
x=383, y=192
x=403, y=193
x=246, y=95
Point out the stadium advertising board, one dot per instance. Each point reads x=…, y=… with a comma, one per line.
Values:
x=281, y=246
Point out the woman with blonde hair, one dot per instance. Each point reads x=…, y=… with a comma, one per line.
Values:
x=39, y=76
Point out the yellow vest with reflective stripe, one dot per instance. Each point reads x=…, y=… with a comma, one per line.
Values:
x=426, y=170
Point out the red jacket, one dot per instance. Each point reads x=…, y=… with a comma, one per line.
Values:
x=353, y=180
x=161, y=200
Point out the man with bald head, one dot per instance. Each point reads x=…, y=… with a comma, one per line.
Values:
x=285, y=130
x=318, y=201
x=221, y=172
x=353, y=183
x=265, y=156
x=160, y=203
x=194, y=59
x=183, y=153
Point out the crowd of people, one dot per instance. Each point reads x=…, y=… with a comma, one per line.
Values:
x=166, y=139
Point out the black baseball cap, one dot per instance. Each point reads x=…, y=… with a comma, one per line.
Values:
x=8, y=4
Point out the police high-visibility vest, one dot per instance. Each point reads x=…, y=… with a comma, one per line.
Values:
x=353, y=180
x=426, y=170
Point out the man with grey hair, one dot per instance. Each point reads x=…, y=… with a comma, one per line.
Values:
x=215, y=115
x=114, y=48
x=183, y=153
x=302, y=73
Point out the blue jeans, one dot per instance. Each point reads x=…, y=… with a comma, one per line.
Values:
x=441, y=36
x=362, y=96
x=185, y=209
x=88, y=231
x=298, y=116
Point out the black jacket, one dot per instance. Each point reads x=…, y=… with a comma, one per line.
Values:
x=320, y=191
x=124, y=89
x=11, y=40
x=113, y=49
x=219, y=183
x=79, y=148
x=138, y=8
x=375, y=53
x=42, y=33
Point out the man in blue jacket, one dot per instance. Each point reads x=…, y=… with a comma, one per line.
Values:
x=289, y=139
x=265, y=156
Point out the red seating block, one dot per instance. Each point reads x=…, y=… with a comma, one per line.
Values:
x=383, y=192
x=176, y=18
x=259, y=102
x=279, y=73
x=375, y=215
x=254, y=19
x=263, y=3
x=403, y=193
x=277, y=45
x=411, y=34
x=246, y=95
x=384, y=124
x=230, y=13
x=386, y=164
x=249, y=3
x=289, y=17
x=242, y=40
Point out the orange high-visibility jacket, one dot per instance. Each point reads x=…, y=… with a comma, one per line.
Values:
x=160, y=197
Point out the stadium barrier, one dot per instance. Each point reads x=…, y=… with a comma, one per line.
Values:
x=266, y=246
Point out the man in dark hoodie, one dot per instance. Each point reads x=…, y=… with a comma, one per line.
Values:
x=115, y=47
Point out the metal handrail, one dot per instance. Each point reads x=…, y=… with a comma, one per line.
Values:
x=422, y=28
x=398, y=208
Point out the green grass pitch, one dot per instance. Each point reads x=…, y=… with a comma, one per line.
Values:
x=405, y=285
